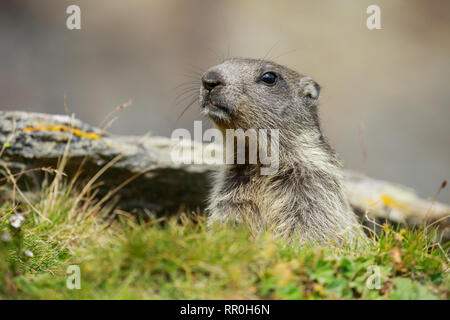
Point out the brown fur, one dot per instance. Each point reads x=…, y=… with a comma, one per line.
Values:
x=305, y=199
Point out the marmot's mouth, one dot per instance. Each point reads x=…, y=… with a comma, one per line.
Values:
x=215, y=110
x=216, y=107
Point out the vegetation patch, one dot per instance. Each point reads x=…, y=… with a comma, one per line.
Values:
x=120, y=257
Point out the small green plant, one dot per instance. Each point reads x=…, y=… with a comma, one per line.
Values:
x=119, y=257
x=181, y=259
x=15, y=238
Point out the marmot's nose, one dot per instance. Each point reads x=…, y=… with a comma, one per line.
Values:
x=211, y=79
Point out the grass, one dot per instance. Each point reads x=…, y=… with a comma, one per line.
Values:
x=179, y=258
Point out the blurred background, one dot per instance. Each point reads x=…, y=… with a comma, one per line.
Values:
x=385, y=93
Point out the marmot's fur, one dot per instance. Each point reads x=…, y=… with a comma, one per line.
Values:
x=305, y=198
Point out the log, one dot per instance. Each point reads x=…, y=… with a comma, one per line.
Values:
x=36, y=140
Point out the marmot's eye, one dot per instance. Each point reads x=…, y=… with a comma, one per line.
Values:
x=269, y=78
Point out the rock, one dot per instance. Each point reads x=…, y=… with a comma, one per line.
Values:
x=36, y=140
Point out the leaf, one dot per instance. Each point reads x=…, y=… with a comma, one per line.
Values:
x=324, y=274
x=406, y=289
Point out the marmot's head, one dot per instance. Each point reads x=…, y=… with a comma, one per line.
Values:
x=258, y=94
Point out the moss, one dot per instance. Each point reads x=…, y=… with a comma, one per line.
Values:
x=62, y=128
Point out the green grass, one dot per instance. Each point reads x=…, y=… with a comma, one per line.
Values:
x=181, y=259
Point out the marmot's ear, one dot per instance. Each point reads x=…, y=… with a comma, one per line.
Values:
x=309, y=91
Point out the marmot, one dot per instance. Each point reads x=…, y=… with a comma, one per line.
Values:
x=305, y=198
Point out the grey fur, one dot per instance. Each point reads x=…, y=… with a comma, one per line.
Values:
x=305, y=199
